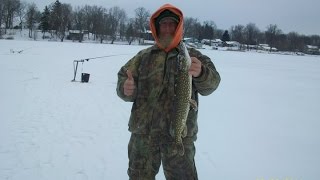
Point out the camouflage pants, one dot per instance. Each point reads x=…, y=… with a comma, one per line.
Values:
x=147, y=152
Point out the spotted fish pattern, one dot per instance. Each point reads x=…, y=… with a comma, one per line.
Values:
x=183, y=90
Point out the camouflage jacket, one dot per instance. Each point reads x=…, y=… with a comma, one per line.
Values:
x=154, y=73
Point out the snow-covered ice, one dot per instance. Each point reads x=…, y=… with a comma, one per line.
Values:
x=261, y=123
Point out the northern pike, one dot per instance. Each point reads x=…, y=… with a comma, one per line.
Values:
x=183, y=89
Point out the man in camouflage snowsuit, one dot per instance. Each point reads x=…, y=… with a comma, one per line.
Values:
x=148, y=80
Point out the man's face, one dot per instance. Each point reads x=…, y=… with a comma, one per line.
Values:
x=167, y=28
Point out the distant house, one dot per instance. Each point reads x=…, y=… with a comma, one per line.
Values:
x=251, y=47
x=232, y=45
x=192, y=42
x=266, y=47
x=217, y=43
x=312, y=50
x=146, y=38
x=75, y=35
x=207, y=41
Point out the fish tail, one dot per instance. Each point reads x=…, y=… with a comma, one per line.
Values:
x=178, y=148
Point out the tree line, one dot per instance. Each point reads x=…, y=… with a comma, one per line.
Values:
x=112, y=23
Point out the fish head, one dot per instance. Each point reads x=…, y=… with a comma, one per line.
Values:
x=184, y=59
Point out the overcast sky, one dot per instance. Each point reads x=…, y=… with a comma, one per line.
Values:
x=302, y=16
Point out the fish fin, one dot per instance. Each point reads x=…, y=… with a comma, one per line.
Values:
x=184, y=131
x=193, y=104
x=178, y=147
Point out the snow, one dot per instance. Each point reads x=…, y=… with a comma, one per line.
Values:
x=261, y=123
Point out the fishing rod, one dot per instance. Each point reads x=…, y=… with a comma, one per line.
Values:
x=76, y=62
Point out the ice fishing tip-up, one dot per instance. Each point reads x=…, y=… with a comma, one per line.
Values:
x=75, y=67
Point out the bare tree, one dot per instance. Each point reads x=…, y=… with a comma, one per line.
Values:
x=237, y=33
x=193, y=28
x=131, y=31
x=196, y=33
x=280, y=42
x=99, y=19
x=115, y=16
x=1, y=15
x=122, y=21
x=189, y=26
x=207, y=31
x=294, y=42
x=21, y=12
x=78, y=20
x=122, y=29
x=65, y=20
x=141, y=19
x=315, y=40
x=251, y=34
x=271, y=34
x=31, y=18
x=261, y=38
x=9, y=9
x=219, y=33
x=87, y=18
